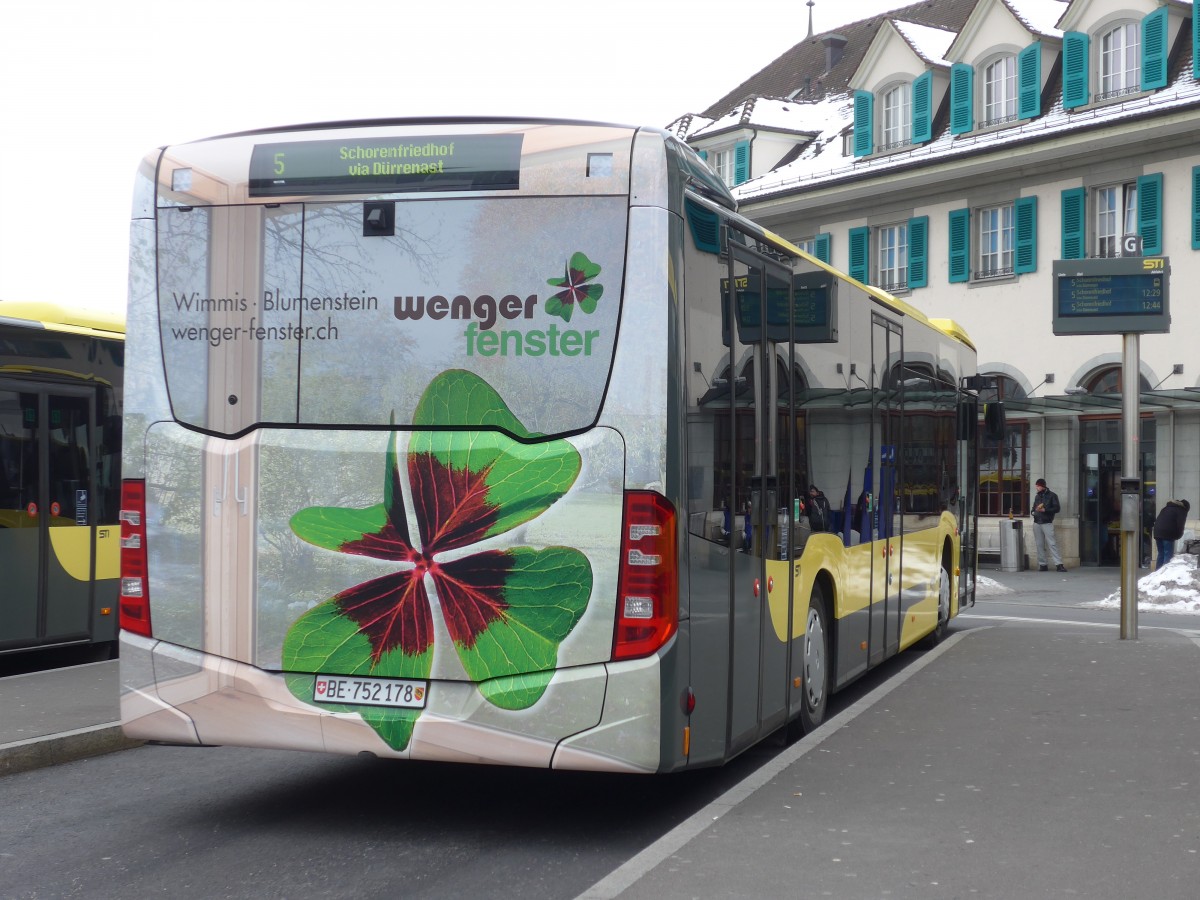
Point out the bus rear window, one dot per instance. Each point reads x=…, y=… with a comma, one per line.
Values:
x=342, y=313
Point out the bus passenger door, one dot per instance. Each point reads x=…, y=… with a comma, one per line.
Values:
x=887, y=373
x=758, y=657
x=46, y=545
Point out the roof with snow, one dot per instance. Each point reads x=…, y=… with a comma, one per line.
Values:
x=929, y=43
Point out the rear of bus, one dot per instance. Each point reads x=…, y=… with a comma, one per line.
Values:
x=396, y=412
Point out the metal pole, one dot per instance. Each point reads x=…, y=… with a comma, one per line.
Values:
x=1130, y=503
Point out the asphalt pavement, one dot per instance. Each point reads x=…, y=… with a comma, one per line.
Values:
x=1020, y=758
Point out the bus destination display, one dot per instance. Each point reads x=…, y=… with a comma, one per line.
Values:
x=472, y=162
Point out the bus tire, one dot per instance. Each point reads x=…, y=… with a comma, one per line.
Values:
x=934, y=637
x=815, y=662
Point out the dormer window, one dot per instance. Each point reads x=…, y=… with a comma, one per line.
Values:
x=1120, y=59
x=1000, y=91
x=897, y=116
x=1120, y=63
x=730, y=163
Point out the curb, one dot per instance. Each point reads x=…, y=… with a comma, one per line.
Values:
x=50, y=750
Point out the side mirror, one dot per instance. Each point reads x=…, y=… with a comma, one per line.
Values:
x=993, y=421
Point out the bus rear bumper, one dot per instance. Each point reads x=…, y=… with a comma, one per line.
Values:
x=600, y=717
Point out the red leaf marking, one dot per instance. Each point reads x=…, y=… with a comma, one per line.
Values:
x=451, y=504
x=392, y=611
x=471, y=591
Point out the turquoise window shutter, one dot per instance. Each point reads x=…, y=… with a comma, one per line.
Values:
x=1074, y=223
x=918, y=252
x=859, y=240
x=704, y=155
x=1154, y=50
x=1196, y=39
x=960, y=245
x=962, y=109
x=822, y=245
x=864, y=114
x=1029, y=81
x=1075, y=70
x=1196, y=207
x=741, y=161
x=922, y=108
x=1150, y=188
x=1026, y=215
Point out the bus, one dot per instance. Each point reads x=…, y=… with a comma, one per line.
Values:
x=60, y=477
x=492, y=441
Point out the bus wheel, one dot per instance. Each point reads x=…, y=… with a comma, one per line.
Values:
x=815, y=661
x=935, y=637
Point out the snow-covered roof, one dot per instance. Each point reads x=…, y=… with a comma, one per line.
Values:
x=773, y=113
x=930, y=44
x=814, y=168
x=1039, y=16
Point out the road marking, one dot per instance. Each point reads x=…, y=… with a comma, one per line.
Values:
x=628, y=874
x=1185, y=632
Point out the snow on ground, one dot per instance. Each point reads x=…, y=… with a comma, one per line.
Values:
x=990, y=587
x=1175, y=588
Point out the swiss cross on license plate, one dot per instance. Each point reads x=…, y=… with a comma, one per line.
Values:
x=395, y=692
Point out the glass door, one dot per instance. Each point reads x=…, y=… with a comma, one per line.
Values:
x=46, y=510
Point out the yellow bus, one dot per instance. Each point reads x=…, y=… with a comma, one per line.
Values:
x=60, y=452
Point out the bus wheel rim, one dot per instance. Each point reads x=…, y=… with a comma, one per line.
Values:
x=814, y=659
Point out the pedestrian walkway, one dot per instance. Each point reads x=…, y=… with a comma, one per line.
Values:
x=58, y=715
x=1019, y=759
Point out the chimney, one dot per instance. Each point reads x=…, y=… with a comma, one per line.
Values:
x=834, y=45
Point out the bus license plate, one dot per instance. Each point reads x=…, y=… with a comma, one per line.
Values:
x=370, y=691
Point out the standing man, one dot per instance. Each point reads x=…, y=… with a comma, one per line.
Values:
x=1045, y=508
x=818, y=509
x=1168, y=528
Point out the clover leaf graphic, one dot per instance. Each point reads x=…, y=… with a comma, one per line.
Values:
x=506, y=610
x=578, y=292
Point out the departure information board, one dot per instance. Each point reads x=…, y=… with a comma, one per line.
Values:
x=1112, y=296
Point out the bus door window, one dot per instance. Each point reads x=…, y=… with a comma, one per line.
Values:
x=69, y=460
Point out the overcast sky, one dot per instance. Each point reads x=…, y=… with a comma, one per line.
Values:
x=88, y=87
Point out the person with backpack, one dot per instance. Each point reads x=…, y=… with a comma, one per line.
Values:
x=1168, y=528
x=818, y=509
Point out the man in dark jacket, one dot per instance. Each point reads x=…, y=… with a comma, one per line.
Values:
x=818, y=509
x=1045, y=508
x=1168, y=528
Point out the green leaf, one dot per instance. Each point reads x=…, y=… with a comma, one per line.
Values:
x=325, y=641
x=584, y=265
x=332, y=527
x=546, y=593
x=523, y=480
x=588, y=301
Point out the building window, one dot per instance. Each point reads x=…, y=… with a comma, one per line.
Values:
x=996, y=241
x=808, y=245
x=897, y=117
x=1116, y=215
x=1004, y=465
x=1000, y=91
x=722, y=164
x=893, y=257
x=1120, y=61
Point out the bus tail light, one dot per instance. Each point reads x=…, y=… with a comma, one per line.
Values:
x=135, y=586
x=648, y=585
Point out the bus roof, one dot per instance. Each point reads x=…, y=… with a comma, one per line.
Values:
x=54, y=317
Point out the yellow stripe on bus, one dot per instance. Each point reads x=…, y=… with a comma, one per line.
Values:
x=72, y=549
